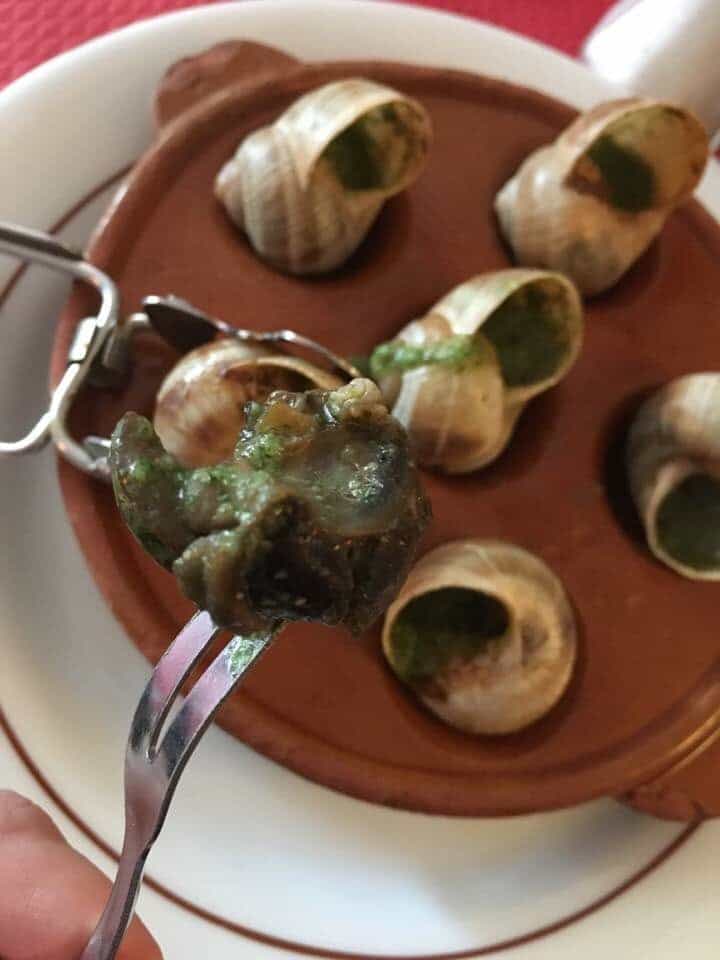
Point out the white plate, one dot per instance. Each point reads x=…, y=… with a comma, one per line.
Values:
x=249, y=844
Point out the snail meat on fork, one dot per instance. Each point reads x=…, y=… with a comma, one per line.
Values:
x=307, y=189
x=591, y=203
x=459, y=378
x=316, y=515
x=483, y=633
x=674, y=467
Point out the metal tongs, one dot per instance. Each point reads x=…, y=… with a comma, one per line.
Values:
x=99, y=351
x=154, y=759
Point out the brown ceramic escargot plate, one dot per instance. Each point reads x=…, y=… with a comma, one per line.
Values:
x=646, y=691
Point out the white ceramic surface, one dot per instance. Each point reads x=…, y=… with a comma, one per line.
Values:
x=247, y=840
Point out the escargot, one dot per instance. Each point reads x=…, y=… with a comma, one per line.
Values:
x=459, y=378
x=590, y=204
x=315, y=516
x=484, y=634
x=674, y=469
x=307, y=189
x=200, y=406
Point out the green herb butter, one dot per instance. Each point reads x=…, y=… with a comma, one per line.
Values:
x=440, y=628
x=629, y=179
x=688, y=522
x=529, y=335
x=454, y=352
x=372, y=153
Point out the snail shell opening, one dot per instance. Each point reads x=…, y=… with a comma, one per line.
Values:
x=532, y=318
x=200, y=405
x=483, y=634
x=687, y=522
x=639, y=155
x=674, y=469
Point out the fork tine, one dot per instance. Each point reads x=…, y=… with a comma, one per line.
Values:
x=168, y=676
x=205, y=698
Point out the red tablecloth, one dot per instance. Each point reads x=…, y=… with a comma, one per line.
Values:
x=35, y=30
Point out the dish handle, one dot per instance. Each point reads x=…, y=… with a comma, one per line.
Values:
x=209, y=72
x=689, y=790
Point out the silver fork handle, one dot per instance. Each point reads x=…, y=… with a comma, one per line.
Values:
x=118, y=913
x=153, y=766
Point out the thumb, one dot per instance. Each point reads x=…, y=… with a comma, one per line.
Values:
x=51, y=897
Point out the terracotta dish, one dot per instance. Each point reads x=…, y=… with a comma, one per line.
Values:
x=646, y=691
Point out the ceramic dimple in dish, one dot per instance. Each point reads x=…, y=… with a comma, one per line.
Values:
x=321, y=703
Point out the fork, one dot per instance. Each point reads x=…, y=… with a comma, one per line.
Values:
x=153, y=766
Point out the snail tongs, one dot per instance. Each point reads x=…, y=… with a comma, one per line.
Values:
x=99, y=354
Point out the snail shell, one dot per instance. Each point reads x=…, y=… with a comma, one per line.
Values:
x=307, y=189
x=484, y=634
x=590, y=204
x=199, y=410
x=521, y=330
x=674, y=468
